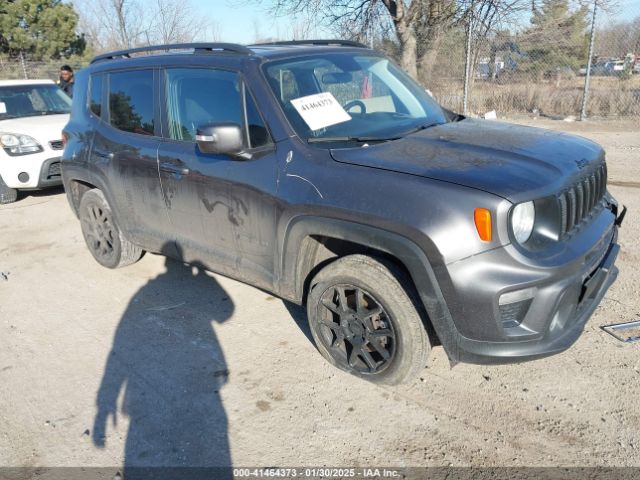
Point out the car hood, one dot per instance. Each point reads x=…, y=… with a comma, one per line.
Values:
x=512, y=161
x=44, y=128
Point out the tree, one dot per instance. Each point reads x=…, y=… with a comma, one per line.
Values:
x=359, y=19
x=39, y=29
x=117, y=24
x=557, y=37
x=417, y=26
x=435, y=21
x=112, y=24
x=175, y=22
x=619, y=38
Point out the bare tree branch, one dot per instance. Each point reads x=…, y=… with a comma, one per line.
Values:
x=114, y=24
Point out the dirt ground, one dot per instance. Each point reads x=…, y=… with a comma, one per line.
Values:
x=105, y=368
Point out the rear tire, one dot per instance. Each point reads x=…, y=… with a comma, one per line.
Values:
x=102, y=235
x=7, y=195
x=364, y=318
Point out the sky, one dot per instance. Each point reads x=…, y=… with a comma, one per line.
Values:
x=625, y=10
x=238, y=19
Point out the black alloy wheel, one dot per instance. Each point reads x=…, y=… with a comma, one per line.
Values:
x=356, y=329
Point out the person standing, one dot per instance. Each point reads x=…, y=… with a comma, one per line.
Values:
x=65, y=82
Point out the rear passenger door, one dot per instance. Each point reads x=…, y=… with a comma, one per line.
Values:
x=222, y=209
x=125, y=154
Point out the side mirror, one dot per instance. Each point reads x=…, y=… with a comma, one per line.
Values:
x=220, y=138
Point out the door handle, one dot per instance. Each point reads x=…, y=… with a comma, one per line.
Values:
x=175, y=169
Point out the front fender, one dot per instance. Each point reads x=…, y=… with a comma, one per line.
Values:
x=292, y=274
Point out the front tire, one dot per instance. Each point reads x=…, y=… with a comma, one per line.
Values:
x=104, y=239
x=7, y=195
x=364, y=319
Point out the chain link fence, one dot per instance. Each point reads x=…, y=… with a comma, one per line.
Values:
x=573, y=63
x=14, y=69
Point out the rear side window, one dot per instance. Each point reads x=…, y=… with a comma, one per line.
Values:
x=95, y=95
x=131, y=101
x=198, y=96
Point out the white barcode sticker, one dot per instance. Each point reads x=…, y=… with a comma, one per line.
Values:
x=320, y=110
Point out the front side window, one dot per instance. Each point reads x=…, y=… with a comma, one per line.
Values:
x=32, y=100
x=346, y=96
x=131, y=101
x=95, y=96
x=198, y=97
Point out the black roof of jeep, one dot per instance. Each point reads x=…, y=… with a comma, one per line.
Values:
x=264, y=50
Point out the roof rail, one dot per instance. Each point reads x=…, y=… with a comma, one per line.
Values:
x=196, y=47
x=343, y=43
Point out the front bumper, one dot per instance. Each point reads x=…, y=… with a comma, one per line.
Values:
x=554, y=340
x=559, y=297
x=31, y=172
x=50, y=173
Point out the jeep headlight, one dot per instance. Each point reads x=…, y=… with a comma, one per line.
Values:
x=523, y=217
x=16, y=144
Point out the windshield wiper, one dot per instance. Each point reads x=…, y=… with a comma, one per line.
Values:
x=370, y=139
x=419, y=128
x=350, y=139
x=55, y=112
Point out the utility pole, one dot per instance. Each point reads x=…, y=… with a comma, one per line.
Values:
x=587, y=78
x=467, y=62
x=24, y=66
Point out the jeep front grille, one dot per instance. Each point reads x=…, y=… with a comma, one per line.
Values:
x=581, y=199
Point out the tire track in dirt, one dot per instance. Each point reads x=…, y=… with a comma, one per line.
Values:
x=622, y=183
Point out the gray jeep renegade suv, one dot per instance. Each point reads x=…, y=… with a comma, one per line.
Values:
x=320, y=172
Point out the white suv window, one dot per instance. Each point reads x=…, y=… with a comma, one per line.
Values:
x=32, y=100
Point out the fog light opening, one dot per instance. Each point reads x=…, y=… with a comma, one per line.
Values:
x=514, y=306
x=23, y=177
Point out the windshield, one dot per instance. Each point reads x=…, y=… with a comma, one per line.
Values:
x=32, y=100
x=347, y=97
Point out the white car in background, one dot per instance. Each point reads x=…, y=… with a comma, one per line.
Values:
x=32, y=116
x=614, y=67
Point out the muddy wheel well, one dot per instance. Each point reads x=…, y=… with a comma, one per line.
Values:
x=76, y=190
x=317, y=251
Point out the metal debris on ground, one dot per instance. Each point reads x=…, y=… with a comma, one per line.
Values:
x=628, y=332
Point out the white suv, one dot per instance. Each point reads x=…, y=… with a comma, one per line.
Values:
x=32, y=116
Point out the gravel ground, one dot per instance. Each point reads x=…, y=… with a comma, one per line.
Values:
x=87, y=376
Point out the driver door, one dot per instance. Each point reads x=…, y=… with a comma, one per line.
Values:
x=222, y=209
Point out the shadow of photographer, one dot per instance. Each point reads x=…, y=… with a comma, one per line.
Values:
x=168, y=365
